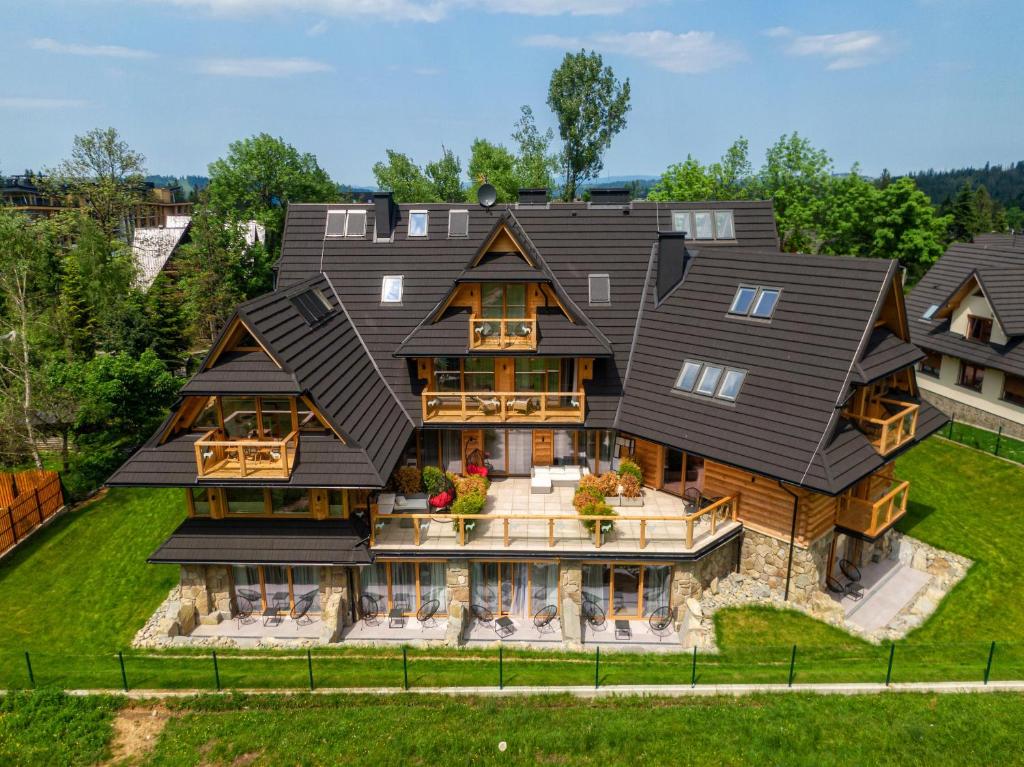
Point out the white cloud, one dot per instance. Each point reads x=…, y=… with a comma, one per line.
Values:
x=408, y=10
x=317, y=29
x=685, y=53
x=34, y=102
x=50, y=45
x=843, y=50
x=262, y=67
x=778, y=32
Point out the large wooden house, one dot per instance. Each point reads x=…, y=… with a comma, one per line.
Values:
x=764, y=395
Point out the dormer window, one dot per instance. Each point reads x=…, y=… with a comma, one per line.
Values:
x=754, y=301
x=356, y=224
x=418, y=223
x=391, y=289
x=703, y=225
x=724, y=229
x=458, y=223
x=313, y=305
x=979, y=329
x=345, y=223
x=681, y=222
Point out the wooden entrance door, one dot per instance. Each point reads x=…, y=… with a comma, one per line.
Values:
x=543, y=447
x=472, y=440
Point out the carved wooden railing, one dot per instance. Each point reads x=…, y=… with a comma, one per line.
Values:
x=220, y=457
x=718, y=512
x=503, y=406
x=502, y=333
x=889, y=433
x=873, y=517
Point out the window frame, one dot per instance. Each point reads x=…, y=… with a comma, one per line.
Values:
x=458, y=236
x=960, y=379
x=384, y=292
x=757, y=299
x=732, y=223
x=590, y=288
x=753, y=298
x=1019, y=402
x=725, y=376
x=926, y=369
x=348, y=223
x=973, y=322
x=686, y=363
x=426, y=224
x=689, y=219
x=717, y=380
x=719, y=384
x=343, y=213
x=759, y=290
x=711, y=220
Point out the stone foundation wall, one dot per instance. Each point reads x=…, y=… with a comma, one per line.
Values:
x=689, y=579
x=766, y=558
x=335, y=602
x=570, y=580
x=456, y=577
x=973, y=415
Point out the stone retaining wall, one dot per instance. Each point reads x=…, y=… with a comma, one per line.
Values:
x=974, y=416
x=766, y=558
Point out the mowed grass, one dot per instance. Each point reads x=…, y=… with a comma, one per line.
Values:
x=982, y=439
x=78, y=592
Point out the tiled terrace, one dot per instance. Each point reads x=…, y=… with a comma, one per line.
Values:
x=547, y=523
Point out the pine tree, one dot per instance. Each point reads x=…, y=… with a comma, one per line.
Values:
x=167, y=324
x=965, y=214
x=78, y=324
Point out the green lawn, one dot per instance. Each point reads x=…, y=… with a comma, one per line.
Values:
x=78, y=591
x=1012, y=449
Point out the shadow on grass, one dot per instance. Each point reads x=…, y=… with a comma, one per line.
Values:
x=29, y=546
x=917, y=513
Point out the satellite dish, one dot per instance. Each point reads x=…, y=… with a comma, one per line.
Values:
x=487, y=195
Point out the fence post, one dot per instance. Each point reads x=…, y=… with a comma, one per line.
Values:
x=597, y=667
x=792, y=665
x=988, y=666
x=501, y=668
x=951, y=419
x=31, y=676
x=39, y=506
x=999, y=438
x=888, y=673
x=10, y=521
x=405, y=667
x=216, y=671
x=124, y=676
x=309, y=664
x=693, y=671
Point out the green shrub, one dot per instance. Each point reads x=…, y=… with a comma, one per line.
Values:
x=632, y=469
x=597, y=509
x=471, y=484
x=433, y=480
x=586, y=493
x=631, y=487
x=608, y=483
x=408, y=480
x=471, y=503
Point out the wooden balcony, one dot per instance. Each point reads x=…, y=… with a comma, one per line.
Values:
x=635, y=530
x=892, y=431
x=502, y=334
x=218, y=457
x=503, y=407
x=874, y=517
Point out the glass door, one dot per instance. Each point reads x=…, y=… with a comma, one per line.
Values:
x=672, y=477
x=626, y=581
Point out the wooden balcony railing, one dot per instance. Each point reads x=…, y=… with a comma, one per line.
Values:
x=874, y=517
x=502, y=333
x=889, y=433
x=218, y=457
x=717, y=513
x=516, y=407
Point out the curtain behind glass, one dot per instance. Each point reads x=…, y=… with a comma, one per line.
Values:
x=403, y=586
x=452, y=443
x=517, y=574
x=306, y=580
x=494, y=448
x=432, y=584
x=595, y=584
x=544, y=581
x=484, y=585
x=373, y=581
x=429, y=448
x=275, y=579
x=656, y=587
x=247, y=580
x=627, y=590
x=520, y=451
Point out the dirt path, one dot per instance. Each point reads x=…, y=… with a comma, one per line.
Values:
x=136, y=730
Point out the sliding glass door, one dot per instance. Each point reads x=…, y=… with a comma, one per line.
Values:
x=516, y=589
x=627, y=590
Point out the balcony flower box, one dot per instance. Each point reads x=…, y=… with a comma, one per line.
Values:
x=627, y=501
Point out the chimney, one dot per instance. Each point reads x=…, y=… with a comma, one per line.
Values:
x=538, y=196
x=673, y=258
x=609, y=196
x=384, y=215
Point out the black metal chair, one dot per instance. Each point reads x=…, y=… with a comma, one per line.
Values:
x=543, y=619
x=481, y=615
x=850, y=570
x=660, y=622
x=694, y=498
x=593, y=614
x=246, y=602
x=427, y=612
x=369, y=609
x=300, y=612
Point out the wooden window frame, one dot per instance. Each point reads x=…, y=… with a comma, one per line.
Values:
x=416, y=581
x=268, y=509
x=930, y=371
x=504, y=298
x=531, y=609
x=612, y=564
x=960, y=379
x=1006, y=378
x=291, y=586
x=973, y=323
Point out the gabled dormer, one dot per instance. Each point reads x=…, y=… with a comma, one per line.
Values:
x=984, y=307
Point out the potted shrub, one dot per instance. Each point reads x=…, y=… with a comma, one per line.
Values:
x=598, y=509
x=632, y=492
x=586, y=494
x=470, y=503
x=408, y=480
x=608, y=484
x=472, y=484
x=631, y=468
x=440, y=492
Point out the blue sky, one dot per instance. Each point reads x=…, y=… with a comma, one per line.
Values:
x=902, y=85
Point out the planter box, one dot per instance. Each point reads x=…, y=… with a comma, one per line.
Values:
x=624, y=501
x=612, y=500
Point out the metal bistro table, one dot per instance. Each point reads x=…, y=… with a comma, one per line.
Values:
x=622, y=629
x=396, y=618
x=504, y=627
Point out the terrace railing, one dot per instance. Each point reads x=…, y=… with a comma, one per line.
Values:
x=490, y=406
x=873, y=517
x=218, y=457
x=889, y=433
x=718, y=512
x=502, y=333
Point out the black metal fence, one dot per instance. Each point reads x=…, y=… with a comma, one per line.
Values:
x=994, y=442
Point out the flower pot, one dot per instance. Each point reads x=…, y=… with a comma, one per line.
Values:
x=624, y=501
x=612, y=500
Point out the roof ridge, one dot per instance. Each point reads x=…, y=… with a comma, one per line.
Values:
x=636, y=334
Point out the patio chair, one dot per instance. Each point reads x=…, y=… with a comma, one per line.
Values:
x=693, y=497
x=369, y=609
x=850, y=570
x=300, y=613
x=246, y=603
x=481, y=615
x=543, y=619
x=427, y=612
x=660, y=622
x=593, y=614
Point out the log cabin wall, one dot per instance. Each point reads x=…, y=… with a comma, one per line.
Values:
x=651, y=459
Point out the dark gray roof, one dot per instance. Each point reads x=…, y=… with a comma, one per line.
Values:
x=800, y=365
x=322, y=461
x=502, y=267
x=886, y=353
x=997, y=255
x=242, y=373
x=264, y=542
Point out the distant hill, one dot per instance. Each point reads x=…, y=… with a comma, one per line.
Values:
x=188, y=184
x=1004, y=184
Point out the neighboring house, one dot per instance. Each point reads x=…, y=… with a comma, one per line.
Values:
x=764, y=395
x=967, y=313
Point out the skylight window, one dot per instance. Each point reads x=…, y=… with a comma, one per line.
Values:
x=418, y=223
x=930, y=312
x=600, y=289
x=710, y=380
x=313, y=305
x=724, y=229
x=356, y=226
x=458, y=223
x=335, y=223
x=391, y=289
x=764, y=304
x=704, y=227
x=743, y=300
x=681, y=222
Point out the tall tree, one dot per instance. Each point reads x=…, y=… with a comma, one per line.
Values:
x=964, y=211
x=727, y=179
x=907, y=228
x=536, y=164
x=591, y=105
x=258, y=179
x=105, y=177
x=496, y=165
x=445, y=174
x=796, y=177
x=404, y=179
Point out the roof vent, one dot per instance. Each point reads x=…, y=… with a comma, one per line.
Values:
x=384, y=210
x=609, y=196
x=535, y=196
x=672, y=260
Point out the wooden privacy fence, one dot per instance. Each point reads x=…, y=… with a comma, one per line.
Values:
x=27, y=499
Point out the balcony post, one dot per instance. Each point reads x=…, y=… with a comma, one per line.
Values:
x=551, y=531
x=689, y=532
x=505, y=525
x=643, y=532
x=597, y=533
x=462, y=531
